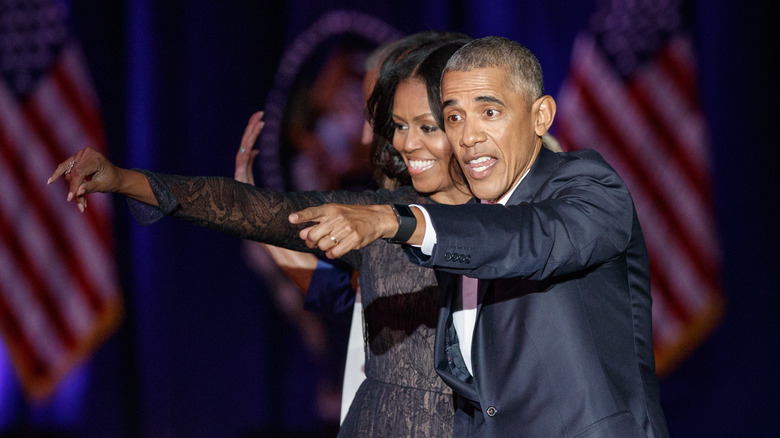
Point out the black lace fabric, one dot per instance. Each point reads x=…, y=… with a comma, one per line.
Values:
x=402, y=395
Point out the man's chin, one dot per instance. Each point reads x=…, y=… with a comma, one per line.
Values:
x=484, y=193
x=484, y=186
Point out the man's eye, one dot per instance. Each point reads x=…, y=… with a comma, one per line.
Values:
x=491, y=113
x=452, y=118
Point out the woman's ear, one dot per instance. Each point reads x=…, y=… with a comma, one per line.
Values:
x=543, y=111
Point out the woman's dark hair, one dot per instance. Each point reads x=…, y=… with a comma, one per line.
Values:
x=430, y=72
x=402, y=63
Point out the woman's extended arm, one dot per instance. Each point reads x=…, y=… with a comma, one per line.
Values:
x=214, y=202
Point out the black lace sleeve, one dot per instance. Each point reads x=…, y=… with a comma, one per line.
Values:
x=242, y=210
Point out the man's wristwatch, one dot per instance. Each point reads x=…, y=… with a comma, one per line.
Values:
x=406, y=223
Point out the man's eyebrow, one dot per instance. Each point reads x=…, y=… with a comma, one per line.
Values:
x=448, y=102
x=490, y=99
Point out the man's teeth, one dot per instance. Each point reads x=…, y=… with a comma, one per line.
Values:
x=480, y=160
x=420, y=164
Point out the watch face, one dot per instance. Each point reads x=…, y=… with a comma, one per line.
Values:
x=404, y=210
x=406, y=223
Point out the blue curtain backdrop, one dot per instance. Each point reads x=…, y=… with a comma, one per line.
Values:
x=203, y=351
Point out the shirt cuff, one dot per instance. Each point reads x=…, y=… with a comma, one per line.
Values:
x=429, y=239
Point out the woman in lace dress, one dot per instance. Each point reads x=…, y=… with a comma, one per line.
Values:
x=402, y=394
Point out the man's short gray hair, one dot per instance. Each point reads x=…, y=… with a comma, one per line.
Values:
x=521, y=65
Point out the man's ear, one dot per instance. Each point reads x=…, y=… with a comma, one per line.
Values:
x=543, y=111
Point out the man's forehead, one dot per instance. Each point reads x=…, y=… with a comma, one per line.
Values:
x=476, y=78
x=479, y=84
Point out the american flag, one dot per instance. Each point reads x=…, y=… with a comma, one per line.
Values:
x=631, y=94
x=59, y=293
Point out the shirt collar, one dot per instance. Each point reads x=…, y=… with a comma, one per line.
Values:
x=508, y=194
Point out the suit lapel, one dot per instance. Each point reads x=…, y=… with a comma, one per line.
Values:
x=546, y=162
x=445, y=331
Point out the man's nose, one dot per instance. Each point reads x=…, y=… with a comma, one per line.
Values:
x=472, y=134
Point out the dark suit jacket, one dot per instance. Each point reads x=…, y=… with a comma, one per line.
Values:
x=563, y=343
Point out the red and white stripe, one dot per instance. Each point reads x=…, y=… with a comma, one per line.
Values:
x=59, y=292
x=651, y=130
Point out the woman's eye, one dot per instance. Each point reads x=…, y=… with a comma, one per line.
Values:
x=428, y=128
x=400, y=126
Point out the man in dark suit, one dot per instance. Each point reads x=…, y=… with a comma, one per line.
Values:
x=555, y=339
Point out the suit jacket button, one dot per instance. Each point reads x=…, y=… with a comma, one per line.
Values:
x=491, y=411
x=447, y=256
